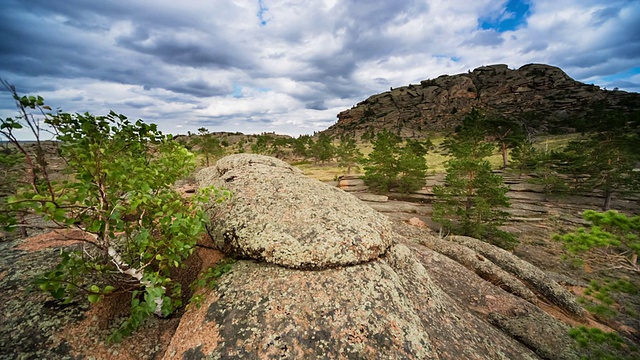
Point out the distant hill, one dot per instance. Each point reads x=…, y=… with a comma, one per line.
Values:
x=542, y=97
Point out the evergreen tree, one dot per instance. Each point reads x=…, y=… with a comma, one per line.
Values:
x=607, y=159
x=615, y=236
x=541, y=165
x=348, y=153
x=323, y=149
x=278, y=146
x=381, y=166
x=209, y=146
x=261, y=145
x=505, y=132
x=391, y=165
x=472, y=199
x=301, y=146
x=412, y=169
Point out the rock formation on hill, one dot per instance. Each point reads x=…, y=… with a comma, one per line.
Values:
x=541, y=96
x=322, y=276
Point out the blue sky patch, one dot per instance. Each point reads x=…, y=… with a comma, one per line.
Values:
x=622, y=75
x=262, y=9
x=237, y=91
x=512, y=17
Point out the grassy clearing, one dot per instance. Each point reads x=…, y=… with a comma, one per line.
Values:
x=323, y=172
x=435, y=158
x=554, y=142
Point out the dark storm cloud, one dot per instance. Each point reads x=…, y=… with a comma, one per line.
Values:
x=316, y=105
x=174, y=47
x=199, y=88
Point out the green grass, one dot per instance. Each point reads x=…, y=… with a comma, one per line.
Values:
x=435, y=158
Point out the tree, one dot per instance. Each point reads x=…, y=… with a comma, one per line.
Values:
x=348, y=153
x=391, y=165
x=278, y=145
x=471, y=201
x=117, y=196
x=302, y=145
x=323, y=149
x=412, y=169
x=611, y=241
x=380, y=171
x=418, y=147
x=607, y=158
x=541, y=165
x=525, y=158
x=505, y=132
x=209, y=146
x=261, y=145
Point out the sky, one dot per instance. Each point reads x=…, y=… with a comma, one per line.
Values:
x=291, y=66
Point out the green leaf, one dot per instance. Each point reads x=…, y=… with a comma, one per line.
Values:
x=93, y=298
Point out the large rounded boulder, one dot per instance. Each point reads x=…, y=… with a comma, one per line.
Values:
x=281, y=217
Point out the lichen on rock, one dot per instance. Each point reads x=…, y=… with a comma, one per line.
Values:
x=371, y=294
x=281, y=217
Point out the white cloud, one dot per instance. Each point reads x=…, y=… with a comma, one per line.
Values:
x=213, y=63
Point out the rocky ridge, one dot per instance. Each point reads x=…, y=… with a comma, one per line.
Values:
x=541, y=96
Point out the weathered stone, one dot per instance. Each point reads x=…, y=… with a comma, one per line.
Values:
x=414, y=221
x=385, y=309
x=400, y=206
x=528, y=273
x=355, y=188
x=282, y=217
x=523, y=186
x=351, y=182
x=371, y=197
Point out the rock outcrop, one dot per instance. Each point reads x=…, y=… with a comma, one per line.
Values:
x=541, y=96
x=284, y=218
x=314, y=284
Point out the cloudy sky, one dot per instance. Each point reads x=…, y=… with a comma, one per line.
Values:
x=290, y=66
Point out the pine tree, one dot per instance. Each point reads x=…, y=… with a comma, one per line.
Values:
x=471, y=201
x=612, y=240
x=209, y=146
x=607, y=159
x=506, y=133
x=348, y=153
x=323, y=149
x=301, y=146
x=381, y=166
x=393, y=166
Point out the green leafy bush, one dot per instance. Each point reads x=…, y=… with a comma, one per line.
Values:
x=133, y=228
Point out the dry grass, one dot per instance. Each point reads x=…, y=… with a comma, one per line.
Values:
x=323, y=172
x=555, y=142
